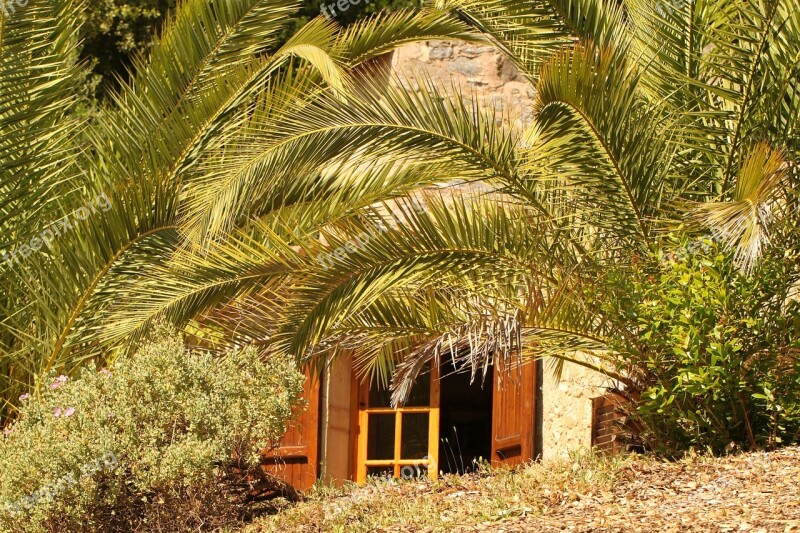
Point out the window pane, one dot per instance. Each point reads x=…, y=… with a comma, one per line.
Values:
x=414, y=444
x=379, y=397
x=420, y=393
x=380, y=437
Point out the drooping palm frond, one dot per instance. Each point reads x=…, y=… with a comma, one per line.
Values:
x=282, y=154
x=374, y=36
x=752, y=62
x=39, y=75
x=234, y=168
x=413, y=253
x=758, y=202
x=598, y=137
x=181, y=99
x=38, y=81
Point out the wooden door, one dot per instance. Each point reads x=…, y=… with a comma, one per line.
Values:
x=398, y=442
x=295, y=460
x=513, y=414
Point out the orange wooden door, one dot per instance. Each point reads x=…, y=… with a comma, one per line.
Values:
x=513, y=414
x=400, y=442
x=295, y=460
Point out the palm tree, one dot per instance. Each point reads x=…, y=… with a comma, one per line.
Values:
x=92, y=207
x=646, y=118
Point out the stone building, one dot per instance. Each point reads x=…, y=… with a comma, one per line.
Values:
x=349, y=431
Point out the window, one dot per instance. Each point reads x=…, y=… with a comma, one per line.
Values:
x=400, y=442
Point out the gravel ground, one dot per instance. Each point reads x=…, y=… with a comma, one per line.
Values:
x=757, y=492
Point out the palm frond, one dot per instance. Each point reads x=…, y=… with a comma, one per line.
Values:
x=759, y=199
x=598, y=139
x=292, y=148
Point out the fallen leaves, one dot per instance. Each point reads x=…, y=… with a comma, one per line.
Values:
x=756, y=493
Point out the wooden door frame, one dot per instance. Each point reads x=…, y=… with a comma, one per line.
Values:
x=359, y=419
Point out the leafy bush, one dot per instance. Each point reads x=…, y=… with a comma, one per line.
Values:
x=145, y=445
x=713, y=352
x=115, y=31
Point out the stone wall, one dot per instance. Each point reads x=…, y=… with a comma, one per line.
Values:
x=472, y=69
x=483, y=72
x=567, y=409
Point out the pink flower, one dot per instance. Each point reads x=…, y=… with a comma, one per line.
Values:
x=105, y=371
x=8, y=431
x=24, y=397
x=69, y=411
x=60, y=380
x=57, y=412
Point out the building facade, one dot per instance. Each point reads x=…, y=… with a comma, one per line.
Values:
x=349, y=432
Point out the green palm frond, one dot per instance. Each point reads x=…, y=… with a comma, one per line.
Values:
x=38, y=77
x=384, y=32
x=746, y=37
x=235, y=166
x=597, y=137
x=199, y=42
x=194, y=281
x=455, y=238
x=292, y=148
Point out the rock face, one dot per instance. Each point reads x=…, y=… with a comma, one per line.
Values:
x=475, y=71
x=482, y=73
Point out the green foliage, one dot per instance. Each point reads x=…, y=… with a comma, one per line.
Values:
x=713, y=352
x=115, y=31
x=108, y=449
x=225, y=139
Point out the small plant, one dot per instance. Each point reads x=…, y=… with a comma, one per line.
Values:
x=713, y=351
x=146, y=444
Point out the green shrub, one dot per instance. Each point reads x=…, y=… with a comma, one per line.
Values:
x=713, y=351
x=115, y=31
x=145, y=445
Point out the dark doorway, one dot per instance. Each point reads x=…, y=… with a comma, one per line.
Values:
x=465, y=427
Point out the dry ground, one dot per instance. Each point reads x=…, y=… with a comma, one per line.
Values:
x=748, y=492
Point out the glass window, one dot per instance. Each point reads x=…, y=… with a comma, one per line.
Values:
x=420, y=394
x=380, y=440
x=396, y=442
x=414, y=442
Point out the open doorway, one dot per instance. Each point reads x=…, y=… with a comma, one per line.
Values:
x=461, y=422
x=465, y=430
